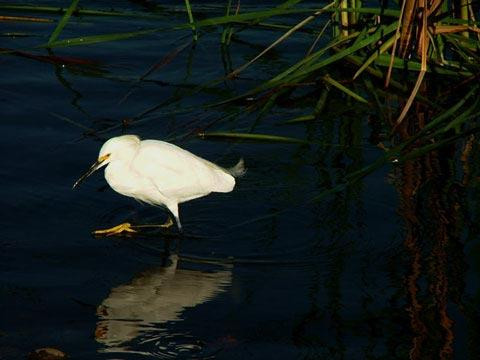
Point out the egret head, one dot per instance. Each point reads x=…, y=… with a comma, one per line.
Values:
x=120, y=147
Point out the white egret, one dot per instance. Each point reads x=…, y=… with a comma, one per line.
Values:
x=159, y=173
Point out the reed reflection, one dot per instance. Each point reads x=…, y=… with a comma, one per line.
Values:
x=142, y=310
x=431, y=202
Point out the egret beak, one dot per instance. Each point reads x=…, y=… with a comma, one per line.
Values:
x=91, y=170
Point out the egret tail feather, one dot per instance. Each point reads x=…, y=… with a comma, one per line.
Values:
x=238, y=170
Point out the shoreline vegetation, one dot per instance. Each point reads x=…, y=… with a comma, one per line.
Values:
x=415, y=65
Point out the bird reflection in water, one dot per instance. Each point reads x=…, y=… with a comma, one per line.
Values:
x=135, y=317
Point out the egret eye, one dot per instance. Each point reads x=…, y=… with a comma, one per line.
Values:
x=103, y=158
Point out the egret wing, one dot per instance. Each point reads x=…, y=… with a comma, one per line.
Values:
x=179, y=174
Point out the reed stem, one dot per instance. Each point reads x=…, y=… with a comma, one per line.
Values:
x=190, y=20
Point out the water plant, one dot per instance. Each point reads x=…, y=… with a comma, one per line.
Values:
x=413, y=64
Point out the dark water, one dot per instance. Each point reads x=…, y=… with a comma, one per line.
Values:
x=386, y=269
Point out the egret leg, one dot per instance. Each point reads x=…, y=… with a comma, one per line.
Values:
x=125, y=227
x=167, y=224
x=129, y=228
x=174, y=210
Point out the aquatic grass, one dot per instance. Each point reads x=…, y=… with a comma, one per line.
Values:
x=319, y=114
x=396, y=37
x=228, y=30
x=250, y=137
x=311, y=63
x=396, y=156
x=87, y=130
x=371, y=48
x=300, y=119
x=265, y=109
x=453, y=68
x=357, y=60
x=63, y=21
x=356, y=63
x=96, y=39
x=287, y=34
x=321, y=102
x=460, y=120
x=444, y=115
x=61, y=11
x=401, y=152
x=421, y=151
x=384, y=47
x=282, y=8
x=52, y=59
x=344, y=89
x=25, y=19
x=190, y=20
x=296, y=73
x=256, y=16
x=406, y=49
x=167, y=59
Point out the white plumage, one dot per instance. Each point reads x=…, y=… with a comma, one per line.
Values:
x=160, y=173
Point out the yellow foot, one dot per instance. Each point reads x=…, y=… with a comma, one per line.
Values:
x=125, y=227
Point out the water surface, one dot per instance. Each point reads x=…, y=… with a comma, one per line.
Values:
x=385, y=269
